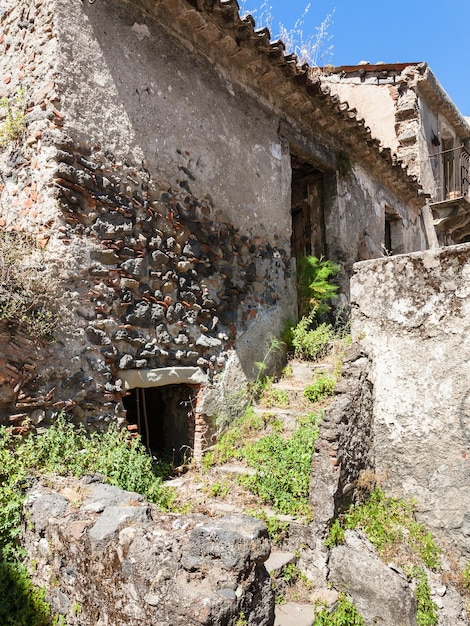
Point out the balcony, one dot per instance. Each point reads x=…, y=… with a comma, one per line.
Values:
x=451, y=205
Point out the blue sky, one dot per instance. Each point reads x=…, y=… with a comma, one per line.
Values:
x=398, y=31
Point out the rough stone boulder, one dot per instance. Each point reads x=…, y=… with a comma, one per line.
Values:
x=381, y=594
x=109, y=558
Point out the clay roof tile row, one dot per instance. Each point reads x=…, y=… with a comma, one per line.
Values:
x=263, y=59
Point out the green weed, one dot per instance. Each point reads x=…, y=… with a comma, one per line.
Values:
x=323, y=387
x=390, y=525
x=314, y=284
x=335, y=535
x=344, y=614
x=67, y=450
x=21, y=602
x=310, y=342
x=277, y=530
x=231, y=443
x=283, y=467
x=466, y=576
x=12, y=125
x=427, y=611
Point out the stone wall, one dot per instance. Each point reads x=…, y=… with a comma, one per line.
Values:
x=344, y=447
x=108, y=557
x=412, y=313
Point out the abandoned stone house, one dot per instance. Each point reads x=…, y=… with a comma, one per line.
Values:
x=409, y=111
x=173, y=164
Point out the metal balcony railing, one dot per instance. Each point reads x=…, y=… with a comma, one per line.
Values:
x=453, y=169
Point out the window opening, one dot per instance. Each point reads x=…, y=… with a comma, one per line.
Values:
x=393, y=239
x=164, y=417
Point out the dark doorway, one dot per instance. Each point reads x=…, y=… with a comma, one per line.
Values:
x=308, y=221
x=164, y=417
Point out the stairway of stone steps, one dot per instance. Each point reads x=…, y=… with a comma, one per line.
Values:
x=300, y=374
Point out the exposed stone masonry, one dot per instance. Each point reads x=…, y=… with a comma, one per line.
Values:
x=344, y=446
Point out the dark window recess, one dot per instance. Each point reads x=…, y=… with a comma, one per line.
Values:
x=164, y=417
x=393, y=238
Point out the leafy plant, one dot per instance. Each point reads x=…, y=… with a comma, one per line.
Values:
x=466, y=576
x=277, y=530
x=314, y=284
x=69, y=450
x=283, y=467
x=21, y=602
x=344, y=614
x=12, y=125
x=335, y=535
x=230, y=445
x=390, y=525
x=241, y=621
x=268, y=396
x=323, y=386
x=310, y=342
x=427, y=611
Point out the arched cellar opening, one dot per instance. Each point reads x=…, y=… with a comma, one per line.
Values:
x=165, y=418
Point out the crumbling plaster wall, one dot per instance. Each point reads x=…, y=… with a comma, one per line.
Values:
x=412, y=313
x=355, y=224
x=375, y=103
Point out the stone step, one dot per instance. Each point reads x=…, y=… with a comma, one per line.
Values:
x=288, y=417
x=239, y=470
x=294, y=614
x=278, y=560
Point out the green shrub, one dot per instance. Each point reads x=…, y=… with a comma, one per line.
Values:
x=466, y=577
x=323, y=387
x=277, y=530
x=390, y=525
x=345, y=614
x=69, y=450
x=310, y=342
x=231, y=444
x=283, y=467
x=314, y=284
x=21, y=602
x=335, y=535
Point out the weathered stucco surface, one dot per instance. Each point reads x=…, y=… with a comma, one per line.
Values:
x=413, y=314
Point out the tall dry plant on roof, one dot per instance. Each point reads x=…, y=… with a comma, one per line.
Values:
x=314, y=48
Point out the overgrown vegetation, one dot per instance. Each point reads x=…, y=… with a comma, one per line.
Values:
x=426, y=613
x=282, y=466
x=390, y=525
x=322, y=387
x=344, y=614
x=66, y=450
x=310, y=338
x=21, y=602
x=12, y=118
x=277, y=529
x=27, y=297
x=314, y=283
